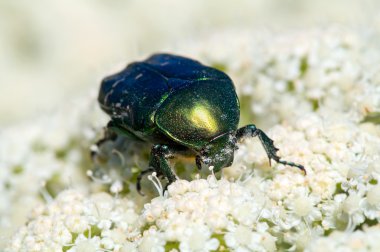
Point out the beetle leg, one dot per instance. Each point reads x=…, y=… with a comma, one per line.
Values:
x=198, y=162
x=159, y=161
x=109, y=135
x=270, y=149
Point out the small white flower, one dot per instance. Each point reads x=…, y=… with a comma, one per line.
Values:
x=366, y=240
x=197, y=238
x=304, y=207
x=151, y=242
x=371, y=204
x=76, y=223
x=85, y=244
x=242, y=238
x=61, y=234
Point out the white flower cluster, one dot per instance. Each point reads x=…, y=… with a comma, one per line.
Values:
x=43, y=157
x=76, y=222
x=293, y=73
x=280, y=209
x=341, y=160
x=319, y=89
x=205, y=215
x=360, y=241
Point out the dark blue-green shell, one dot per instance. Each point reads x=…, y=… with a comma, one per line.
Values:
x=152, y=100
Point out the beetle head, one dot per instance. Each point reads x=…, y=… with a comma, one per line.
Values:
x=219, y=152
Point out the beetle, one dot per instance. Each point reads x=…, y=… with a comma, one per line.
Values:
x=182, y=107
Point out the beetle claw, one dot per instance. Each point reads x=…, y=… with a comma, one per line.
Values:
x=167, y=185
x=139, y=189
x=166, y=188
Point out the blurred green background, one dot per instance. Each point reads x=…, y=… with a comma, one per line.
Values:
x=54, y=51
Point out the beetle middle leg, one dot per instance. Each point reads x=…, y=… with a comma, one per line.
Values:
x=159, y=163
x=270, y=149
x=111, y=132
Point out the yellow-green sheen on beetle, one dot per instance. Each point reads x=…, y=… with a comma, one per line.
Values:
x=180, y=106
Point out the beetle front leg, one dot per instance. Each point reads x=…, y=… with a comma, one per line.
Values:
x=270, y=149
x=159, y=163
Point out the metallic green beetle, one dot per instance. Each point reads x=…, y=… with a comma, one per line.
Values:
x=181, y=107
